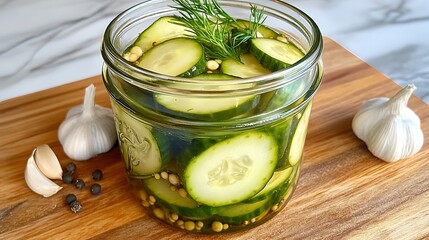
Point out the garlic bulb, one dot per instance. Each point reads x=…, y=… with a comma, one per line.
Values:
x=88, y=129
x=37, y=181
x=47, y=162
x=389, y=128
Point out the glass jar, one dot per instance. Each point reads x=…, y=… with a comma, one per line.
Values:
x=231, y=160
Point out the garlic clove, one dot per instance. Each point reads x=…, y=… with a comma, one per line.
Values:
x=392, y=140
x=37, y=181
x=47, y=162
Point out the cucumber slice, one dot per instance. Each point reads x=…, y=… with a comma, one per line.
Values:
x=276, y=182
x=214, y=76
x=184, y=206
x=183, y=57
x=274, y=54
x=263, y=30
x=240, y=212
x=248, y=67
x=286, y=95
x=232, y=170
x=207, y=108
x=161, y=30
x=298, y=139
x=283, y=135
x=139, y=148
x=286, y=190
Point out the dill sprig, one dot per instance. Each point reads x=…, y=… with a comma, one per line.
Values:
x=219, y=33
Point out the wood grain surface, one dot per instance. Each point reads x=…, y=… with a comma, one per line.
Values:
x=344, y=192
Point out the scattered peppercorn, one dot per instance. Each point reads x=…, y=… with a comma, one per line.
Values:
x=71, y=167
x=79, y=184
x=95, y=189
x=97, y=175
x=75, y=206
x=68, y=177
x=70, y=198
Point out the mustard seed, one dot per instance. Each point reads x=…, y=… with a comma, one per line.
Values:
x=190, y=225
x=164, y=175
x=158, y=213
x=173, y=179
x=217, y=226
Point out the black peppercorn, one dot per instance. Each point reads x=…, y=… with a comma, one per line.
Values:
x=68, y=177
x=79, y=184
x=71, y=167
x=75, y=206
x=97, y=175
x=95, y=189
x=70, y=198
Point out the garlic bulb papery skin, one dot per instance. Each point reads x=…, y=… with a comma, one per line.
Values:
x=47, y=162
x=37, y=181
x=389, y=128
x=88, y=129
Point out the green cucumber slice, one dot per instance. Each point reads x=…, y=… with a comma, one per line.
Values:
x=184, y=206
x=140, y=150
x=161, y=30
x=285, y=192
x=240, y=212
x=262, y=30
x=276, y=182
x=248, y=67
x=207, y=108
x=183, y=57
x=233, y=170
x=298, y=139
x=214, y=76
x=274, y=54
x=283, y=134
x=286, y=95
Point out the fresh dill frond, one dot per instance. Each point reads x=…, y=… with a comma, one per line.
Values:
x=215, y=29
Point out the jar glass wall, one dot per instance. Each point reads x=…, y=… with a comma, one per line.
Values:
x=231, y=159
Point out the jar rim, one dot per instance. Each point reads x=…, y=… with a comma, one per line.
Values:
x=165, y=84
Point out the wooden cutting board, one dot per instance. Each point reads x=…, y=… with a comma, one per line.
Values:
x=344, y=192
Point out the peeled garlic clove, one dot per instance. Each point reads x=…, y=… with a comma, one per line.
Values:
x=47, y=162
x=38, y=182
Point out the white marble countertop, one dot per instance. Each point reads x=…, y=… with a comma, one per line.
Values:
x=46, y=43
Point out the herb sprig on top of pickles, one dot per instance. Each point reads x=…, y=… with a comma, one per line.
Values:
x=204, y=32
x=222, y=35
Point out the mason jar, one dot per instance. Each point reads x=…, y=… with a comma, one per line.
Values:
x=227, y=156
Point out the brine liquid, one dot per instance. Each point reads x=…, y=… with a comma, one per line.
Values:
x=163, y=194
